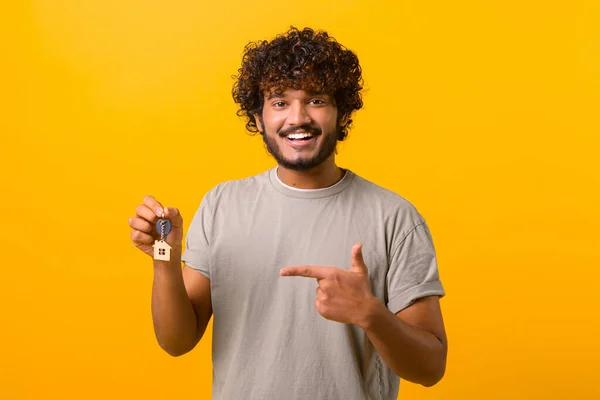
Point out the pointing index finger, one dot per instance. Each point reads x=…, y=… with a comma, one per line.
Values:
x=308, y=271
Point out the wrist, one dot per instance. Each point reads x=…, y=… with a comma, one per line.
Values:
x=369, y=312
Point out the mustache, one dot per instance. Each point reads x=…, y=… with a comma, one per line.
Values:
x=315, y=130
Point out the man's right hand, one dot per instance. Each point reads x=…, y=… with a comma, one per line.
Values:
x=143, y=226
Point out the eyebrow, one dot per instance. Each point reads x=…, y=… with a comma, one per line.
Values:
x=275, y=95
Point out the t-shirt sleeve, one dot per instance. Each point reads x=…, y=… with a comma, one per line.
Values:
x=196, y=254
x=413, y=271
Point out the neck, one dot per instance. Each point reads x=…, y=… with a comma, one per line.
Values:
x=322, y=176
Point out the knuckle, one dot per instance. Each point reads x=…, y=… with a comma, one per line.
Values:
x=149, y=199
x=306, y=271
x=143, y=226
x=138, y=237
x=148, y=227
x=321, y=309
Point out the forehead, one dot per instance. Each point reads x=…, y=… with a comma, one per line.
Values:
x=277, y=93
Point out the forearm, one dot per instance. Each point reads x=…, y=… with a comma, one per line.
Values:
x=411, y=353
x=173, y=315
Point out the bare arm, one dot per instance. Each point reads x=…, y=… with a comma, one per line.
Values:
x=181, y=302
x=181, y=306
x=412, y=342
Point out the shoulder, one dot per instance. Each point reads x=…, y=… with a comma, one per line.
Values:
x=379, y=194
x=236, y=188
x=387, y=204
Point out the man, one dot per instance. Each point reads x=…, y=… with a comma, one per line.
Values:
x=322, y=285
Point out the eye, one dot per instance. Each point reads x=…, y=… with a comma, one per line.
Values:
x=278, y=104
x=317, y=102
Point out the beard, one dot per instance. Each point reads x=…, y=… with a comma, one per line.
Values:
x=327, y=148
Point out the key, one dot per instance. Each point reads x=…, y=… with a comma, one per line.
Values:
x=162, y=250
x=163, y=223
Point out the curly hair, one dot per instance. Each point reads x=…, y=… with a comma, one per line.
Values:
x=299, y=59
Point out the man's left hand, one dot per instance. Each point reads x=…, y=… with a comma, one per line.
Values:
x=342, y=295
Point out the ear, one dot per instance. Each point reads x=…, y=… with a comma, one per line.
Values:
x=259, y=124
x=344, y=120
x=258, y=120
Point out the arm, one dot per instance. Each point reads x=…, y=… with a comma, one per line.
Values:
x=181, y=306
x=412, y=342
x=181, y=302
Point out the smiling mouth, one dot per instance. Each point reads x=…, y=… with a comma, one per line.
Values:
x=299, y=137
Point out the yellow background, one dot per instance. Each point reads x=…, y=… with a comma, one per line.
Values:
x=483, y=114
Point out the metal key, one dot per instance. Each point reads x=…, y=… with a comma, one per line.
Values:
x=162, y=250
x=163, y=226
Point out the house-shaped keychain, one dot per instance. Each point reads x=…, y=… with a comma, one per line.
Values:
x=162, y=250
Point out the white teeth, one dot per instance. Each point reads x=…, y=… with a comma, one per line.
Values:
x=299, y=135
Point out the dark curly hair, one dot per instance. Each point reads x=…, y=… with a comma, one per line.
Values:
x=299, y=59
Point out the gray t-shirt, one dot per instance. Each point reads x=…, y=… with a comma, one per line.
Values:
x=269, y=341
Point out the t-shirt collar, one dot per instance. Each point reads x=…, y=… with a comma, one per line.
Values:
x=310, y=193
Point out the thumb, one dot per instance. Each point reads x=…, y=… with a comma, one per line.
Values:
x=358, y=262
x=175, y=237
x=172, y=214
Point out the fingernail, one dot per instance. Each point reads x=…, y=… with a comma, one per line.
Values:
x=159, y=212
x=130, y=219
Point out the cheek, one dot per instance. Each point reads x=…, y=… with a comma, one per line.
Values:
x=273, y=122
x=330, y=124
x=327, y=120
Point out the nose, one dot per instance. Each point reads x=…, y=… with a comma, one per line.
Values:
x=298, y=114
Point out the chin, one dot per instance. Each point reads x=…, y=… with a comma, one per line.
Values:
x=300, y=160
